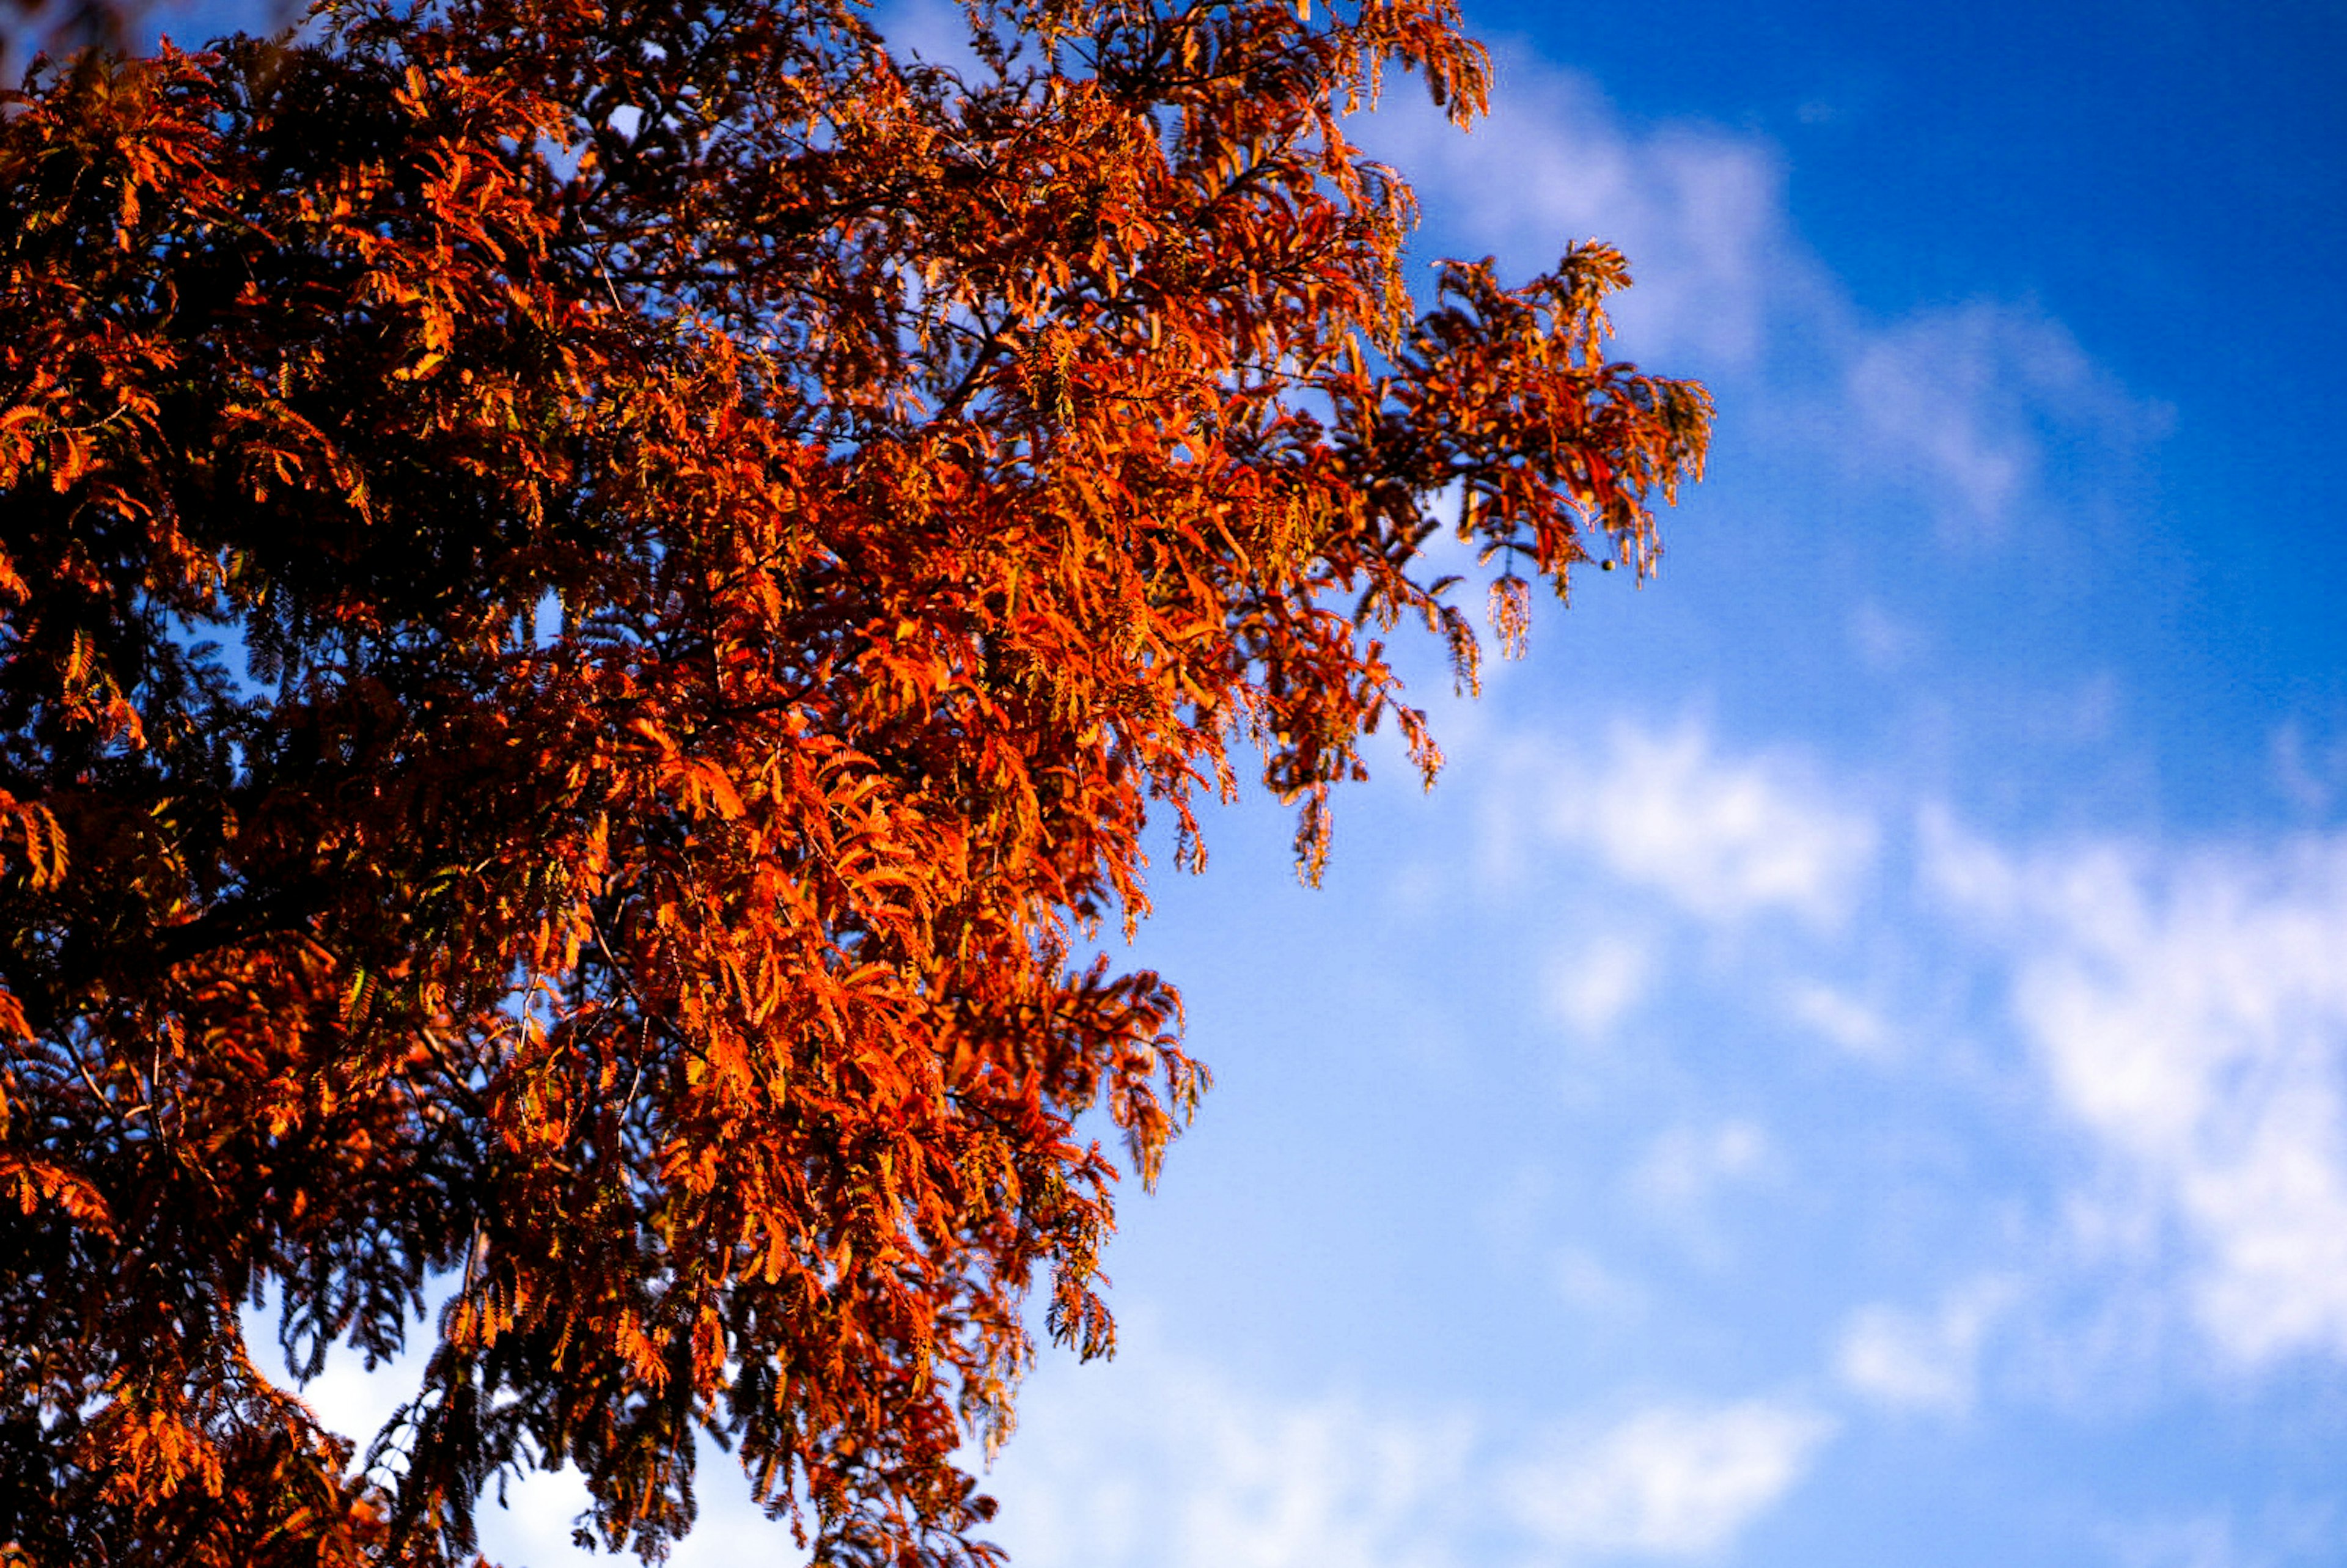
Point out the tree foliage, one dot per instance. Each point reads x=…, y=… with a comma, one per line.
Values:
x=592, y=602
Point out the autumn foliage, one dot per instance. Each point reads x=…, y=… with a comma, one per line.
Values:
x=592, y=603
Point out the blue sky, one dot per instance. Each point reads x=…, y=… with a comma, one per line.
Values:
x=1849, y=1065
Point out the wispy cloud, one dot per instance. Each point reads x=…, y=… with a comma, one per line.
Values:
x=2206, y=1540
x=1953, y=406
x=1700, y=213
x=1722, y=837
x=1686, y=1165
x=2190, y=1012
x=1673, y=1481
x=2310, y=774
x=2178, y=1011
x=1162, y=1461
x=1944, y=400
x=1594, y=986
x=1854, y=1025
x=1923, y=1361
x=1175, y=1464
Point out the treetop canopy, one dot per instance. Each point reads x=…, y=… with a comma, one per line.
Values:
x=593, y=601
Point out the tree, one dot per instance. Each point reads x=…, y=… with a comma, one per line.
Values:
x=728, y=529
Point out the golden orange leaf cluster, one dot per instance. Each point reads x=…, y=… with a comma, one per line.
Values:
x=593, y=602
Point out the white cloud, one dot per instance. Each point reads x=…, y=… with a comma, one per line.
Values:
x=2308, y=774
x=2189, y=1013
x=1884, y=642
x=1589, y=1287
x=2205, y=1542
x=539, y=1509
x=1842, y=1018
x=1724, y=838
x=345, y=1397
x=1675, y=1480
x=1951, y=405
x=1317, y=1485
x=1700, y=213
x=2283, y=1529
x=1156, y=1462
x=1149, y=1460
x=1922, y=1362
x=1951, y=396
x=1686, y=1165
x=1592, y=986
